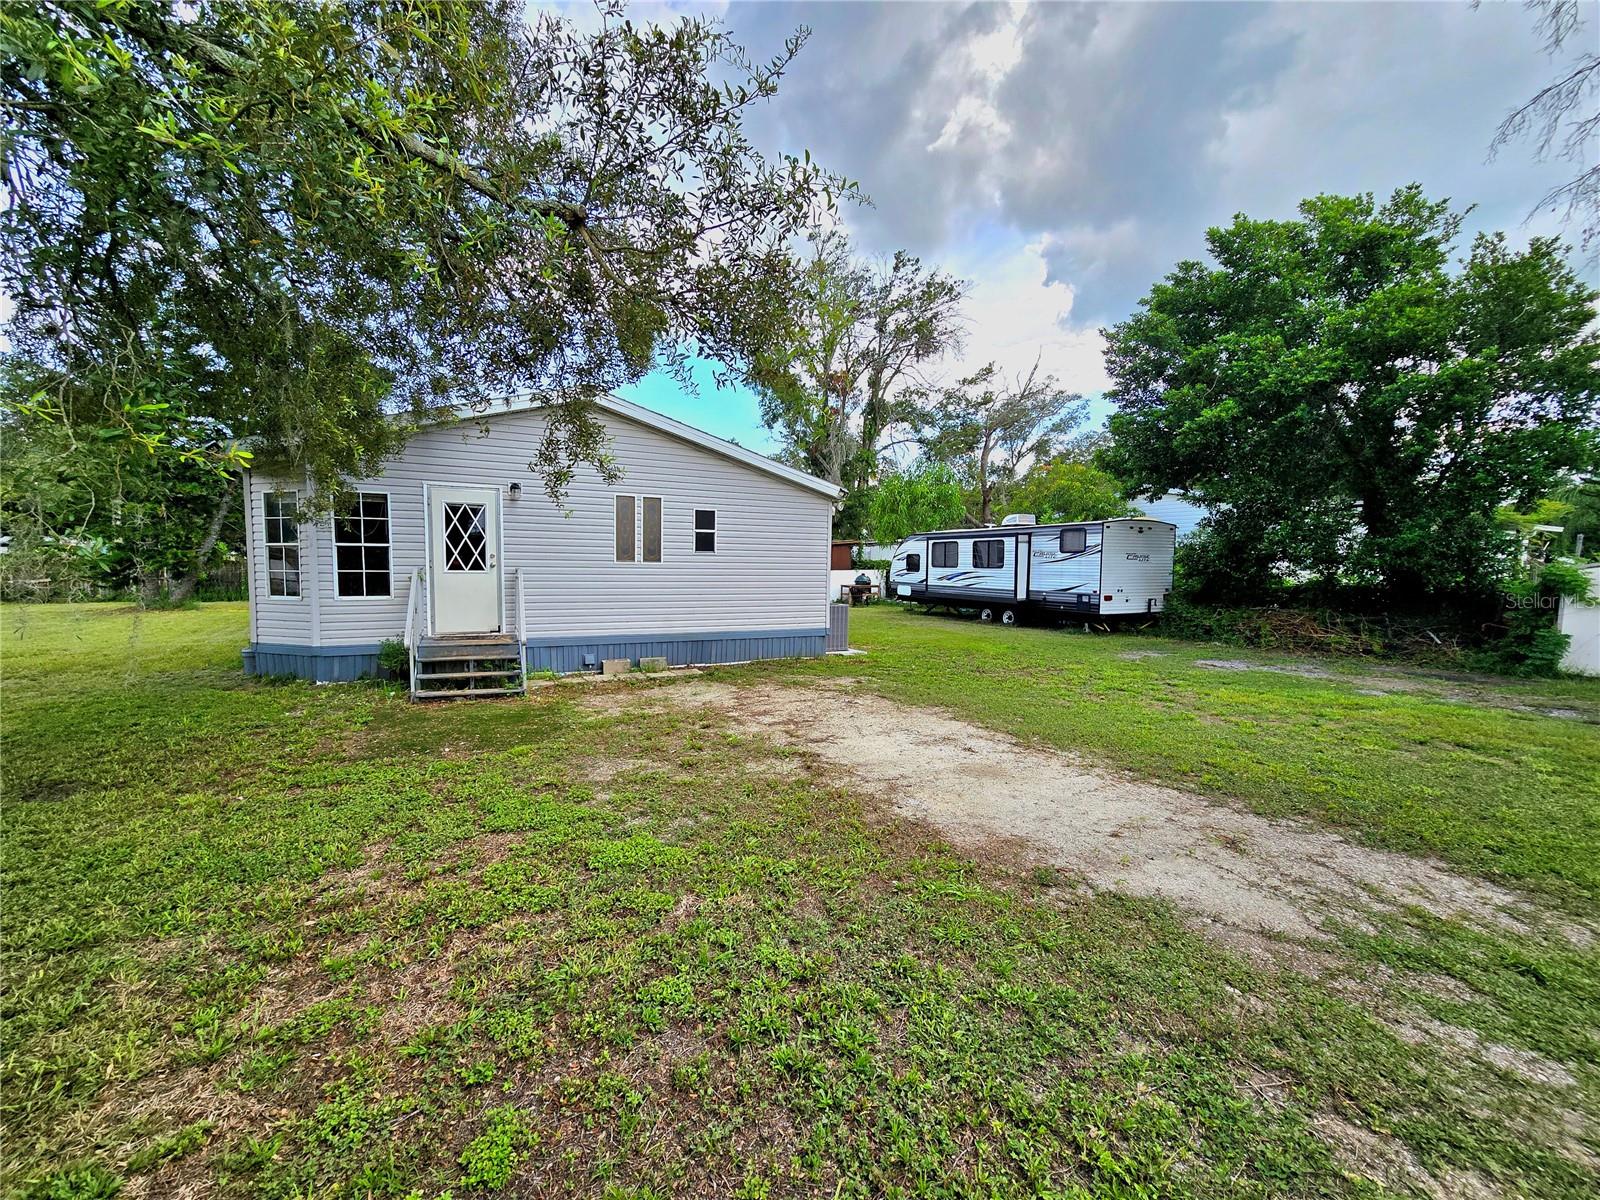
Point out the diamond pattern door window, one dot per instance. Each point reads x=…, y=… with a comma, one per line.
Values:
x=466, y=538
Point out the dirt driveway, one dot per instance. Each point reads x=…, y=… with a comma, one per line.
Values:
x=1250, y=880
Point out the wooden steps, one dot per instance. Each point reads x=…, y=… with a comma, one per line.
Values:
x=467, y=666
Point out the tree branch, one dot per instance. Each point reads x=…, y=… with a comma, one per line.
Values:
x=574, y=216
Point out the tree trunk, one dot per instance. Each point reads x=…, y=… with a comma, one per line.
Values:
x=985, y=492
x=184, y=587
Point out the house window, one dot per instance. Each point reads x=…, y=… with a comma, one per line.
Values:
x=283, y=543
x=361, y=544
x=945, y=554
x=705, y=530
x=1074, y=541
x=625, y=529
x=913, y=564
x=987, y=555
x=652, y=529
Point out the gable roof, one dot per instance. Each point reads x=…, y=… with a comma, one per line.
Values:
x=662, y=423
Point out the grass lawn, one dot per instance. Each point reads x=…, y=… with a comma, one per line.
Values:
x=269, y=939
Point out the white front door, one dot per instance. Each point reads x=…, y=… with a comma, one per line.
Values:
x=464, y=558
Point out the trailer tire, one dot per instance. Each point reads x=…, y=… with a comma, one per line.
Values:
x=1008, y=616
x=986, y=615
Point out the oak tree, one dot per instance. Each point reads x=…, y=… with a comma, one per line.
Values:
x=992, y=429
x=308, y=227
x=835, y=384
x=1351, y=408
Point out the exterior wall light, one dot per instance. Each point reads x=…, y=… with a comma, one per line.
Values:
x=515, y=491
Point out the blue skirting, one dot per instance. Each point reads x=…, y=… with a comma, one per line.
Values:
x=324, y=664
x=564, y=655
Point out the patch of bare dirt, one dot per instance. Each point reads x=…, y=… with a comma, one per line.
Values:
x=1305, y=670
x=1249, y=876
x=1392, y=1163
x=1527, y=1064
x=604, y=770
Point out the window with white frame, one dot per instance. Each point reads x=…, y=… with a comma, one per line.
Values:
x=624, y=528
x=282, y=543
x=705, y=530
x=638, y=528
x=361, y=544
x=650, y=529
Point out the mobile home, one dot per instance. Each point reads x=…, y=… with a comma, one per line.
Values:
x=1102, y=569
x=704, y=552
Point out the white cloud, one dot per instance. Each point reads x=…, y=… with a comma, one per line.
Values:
x=1016, y=316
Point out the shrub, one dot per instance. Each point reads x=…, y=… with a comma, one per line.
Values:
x=1294, y=629
x=1531, y=644
x=393, y=657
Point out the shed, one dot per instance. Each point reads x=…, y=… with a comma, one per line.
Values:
x=698, y=555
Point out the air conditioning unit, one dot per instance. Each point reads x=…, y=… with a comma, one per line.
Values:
x=1019, y=519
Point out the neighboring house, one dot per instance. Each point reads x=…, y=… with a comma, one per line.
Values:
x=1173, y=507
x=704, y=552
x=1580, y=621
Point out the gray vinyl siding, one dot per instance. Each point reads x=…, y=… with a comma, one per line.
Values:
x=769, y=571
x=567, y=655
x=276, y=619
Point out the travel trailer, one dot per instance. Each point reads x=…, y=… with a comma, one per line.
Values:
x=1120, y=568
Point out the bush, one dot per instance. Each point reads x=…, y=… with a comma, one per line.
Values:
x=393, y=658
x=1530, y=643
x=1525, y=641
x=1209, y=569
x=1299, y=630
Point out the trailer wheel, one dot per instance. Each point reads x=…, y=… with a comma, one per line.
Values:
x=1008, y=616
x=986, y=615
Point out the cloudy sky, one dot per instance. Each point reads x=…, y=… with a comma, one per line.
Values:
x=1062, y=157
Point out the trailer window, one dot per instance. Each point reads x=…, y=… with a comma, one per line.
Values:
x=913, y=564
x=361, y=544
x=282, y=543
x=1074, y=541
x=945, y=554
x=989, y=554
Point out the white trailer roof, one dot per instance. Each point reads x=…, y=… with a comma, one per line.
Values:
x=1013, y=530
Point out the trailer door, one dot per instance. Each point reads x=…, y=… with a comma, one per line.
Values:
x=1024, y=558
